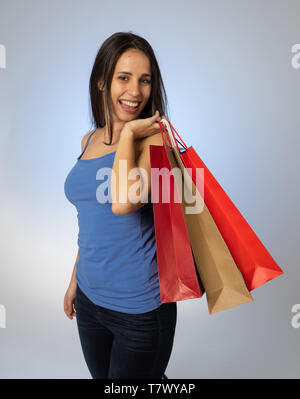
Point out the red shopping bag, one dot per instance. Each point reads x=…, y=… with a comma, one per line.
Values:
x=251, y=257
x=178, y=278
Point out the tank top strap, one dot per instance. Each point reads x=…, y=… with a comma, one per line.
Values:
x=86, y=144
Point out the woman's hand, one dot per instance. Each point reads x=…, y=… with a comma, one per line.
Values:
x=69, y=301
x=141, y=128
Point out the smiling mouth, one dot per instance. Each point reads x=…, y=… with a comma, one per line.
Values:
x=128, y=108
x=124, y=102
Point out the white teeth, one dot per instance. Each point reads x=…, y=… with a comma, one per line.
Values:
x=130, y=103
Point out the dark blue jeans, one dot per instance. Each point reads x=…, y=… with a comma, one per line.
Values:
x=124, y=345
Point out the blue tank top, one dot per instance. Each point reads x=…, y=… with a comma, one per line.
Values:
x=117, y=264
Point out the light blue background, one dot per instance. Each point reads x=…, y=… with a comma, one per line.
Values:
x=233, y=94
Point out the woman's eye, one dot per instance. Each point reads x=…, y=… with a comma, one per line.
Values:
x=145, y=80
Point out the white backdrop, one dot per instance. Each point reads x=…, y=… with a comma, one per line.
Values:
x=233, y=94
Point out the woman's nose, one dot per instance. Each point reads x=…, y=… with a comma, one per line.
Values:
x=134, y=88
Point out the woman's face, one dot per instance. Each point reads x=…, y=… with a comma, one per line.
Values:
x=131, y=82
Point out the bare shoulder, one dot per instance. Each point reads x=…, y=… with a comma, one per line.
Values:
x=84, y=139
x=143, y=157
x=155, y=139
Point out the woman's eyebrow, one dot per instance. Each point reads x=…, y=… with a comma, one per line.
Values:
x=129, y=73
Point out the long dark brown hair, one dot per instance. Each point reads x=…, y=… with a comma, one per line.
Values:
x=103, y=69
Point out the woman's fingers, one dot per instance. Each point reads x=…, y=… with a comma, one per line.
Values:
x=69, y=309
x=156, y=114
x=74, y=310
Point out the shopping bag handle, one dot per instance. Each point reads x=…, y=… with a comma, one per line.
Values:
x=162, y=130
x=165, y=121
x=172, y=130
x=168, y=134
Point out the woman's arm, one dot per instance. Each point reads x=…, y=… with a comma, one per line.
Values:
x=73, y=279
x=70, y=295
x=126, y=152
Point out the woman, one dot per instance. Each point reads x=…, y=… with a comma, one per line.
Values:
x=125, y=331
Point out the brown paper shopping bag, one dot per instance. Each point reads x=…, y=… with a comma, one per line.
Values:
x=221, y=279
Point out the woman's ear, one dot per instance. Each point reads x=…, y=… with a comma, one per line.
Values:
x=100, y=85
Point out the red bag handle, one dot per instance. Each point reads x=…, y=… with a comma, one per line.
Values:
x=172, y=131
x=172, y=128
